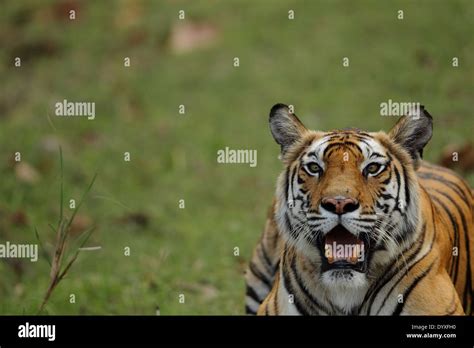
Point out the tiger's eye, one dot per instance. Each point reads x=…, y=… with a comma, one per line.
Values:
x=313, y=168
x=372, y=168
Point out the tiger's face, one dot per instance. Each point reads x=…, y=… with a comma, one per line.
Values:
x=348, y=199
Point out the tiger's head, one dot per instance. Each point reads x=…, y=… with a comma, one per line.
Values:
x=349, y=199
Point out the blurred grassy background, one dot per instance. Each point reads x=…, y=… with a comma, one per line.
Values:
x=135, y=204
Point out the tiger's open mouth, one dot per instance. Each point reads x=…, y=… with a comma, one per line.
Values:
x=343, y=250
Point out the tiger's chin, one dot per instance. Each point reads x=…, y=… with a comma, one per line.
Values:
x=345, y=288
x=344, y=279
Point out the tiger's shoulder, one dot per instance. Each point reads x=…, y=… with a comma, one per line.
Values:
x=435, y=178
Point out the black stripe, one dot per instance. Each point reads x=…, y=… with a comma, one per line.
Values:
x=266, y=258
x=386, y=181
x=406, y=294
x=450, y=184
x=363, y=140
x=329, y=147
x=312, y=153
x=350, y=143
x=300, y=181
x=397, y=175
x=433, y=207
x=364, y=220
x=302, y=287
x=289, y=287
x=293, y=173
x=332, y=150
x=387, y=196
x=299, y=220
x=288, y=227
x=249, y=310
x=467, y=285
x=407, y=189
x=252, y=294
x=311, y=218
x=253, y=268
x=454, y=276
x=286, y=184
x=376, y=154
x=449, y=234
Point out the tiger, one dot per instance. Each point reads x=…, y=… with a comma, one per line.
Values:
x=360, y=224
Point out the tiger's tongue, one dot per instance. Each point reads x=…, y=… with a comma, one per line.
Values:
x=339, y=236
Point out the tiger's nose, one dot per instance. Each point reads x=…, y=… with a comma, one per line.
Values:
x=339, y=205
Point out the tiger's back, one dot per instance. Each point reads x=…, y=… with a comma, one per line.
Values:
x=452, y=201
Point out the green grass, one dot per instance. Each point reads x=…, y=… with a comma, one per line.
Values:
x=190, y=251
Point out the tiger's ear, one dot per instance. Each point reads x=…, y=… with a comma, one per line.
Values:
x=285, y=126
x=413, y=133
